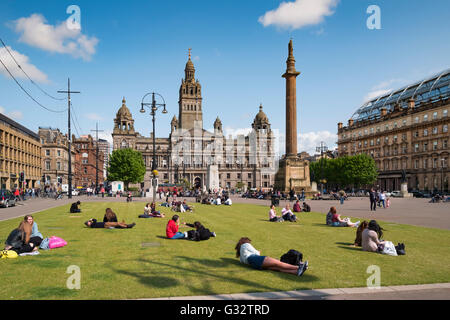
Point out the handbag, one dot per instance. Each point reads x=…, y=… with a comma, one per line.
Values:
x=389, y=249
x=56, y=242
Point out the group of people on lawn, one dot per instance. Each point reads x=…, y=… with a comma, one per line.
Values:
x=27, y=238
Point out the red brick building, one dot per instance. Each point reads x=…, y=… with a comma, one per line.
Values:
x=86, y=164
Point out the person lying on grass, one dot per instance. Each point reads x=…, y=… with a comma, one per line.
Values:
x=151, y=212
x=92, y=223
x=172, y=229
x=200, y=232
x=249, y=255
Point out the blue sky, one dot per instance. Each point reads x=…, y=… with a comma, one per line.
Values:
x=129, y=48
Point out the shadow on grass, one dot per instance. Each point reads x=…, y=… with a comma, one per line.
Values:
x=345, y=243
x=47, y=292
x=201, y=268
x=351, y=248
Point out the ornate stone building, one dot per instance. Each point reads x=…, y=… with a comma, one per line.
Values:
x=189, y=150
x=406, y=131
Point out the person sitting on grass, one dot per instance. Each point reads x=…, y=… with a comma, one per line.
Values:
x=287, y=214
x=151, y=212
x=228, y=201
x=109, y=216
x=306, y=207
x=371, y=237
x=297, y=207
x=186, y=207
x=200, y=232
x=172, y=229
x=249, y=255
x=338, y=222
x=75, y=207
x=35, y=237
x=19, y=239
x=359, y=231
x=273, y=215
x=92, y=223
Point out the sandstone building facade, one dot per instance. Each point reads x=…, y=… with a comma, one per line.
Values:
x=406, y=133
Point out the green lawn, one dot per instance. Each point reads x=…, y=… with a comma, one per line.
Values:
x=141, y=263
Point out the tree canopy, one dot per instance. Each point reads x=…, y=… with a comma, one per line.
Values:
x=126, y=165
x=357, y=171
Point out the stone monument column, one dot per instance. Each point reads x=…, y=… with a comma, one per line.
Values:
x=291, y=103
x=293, y=171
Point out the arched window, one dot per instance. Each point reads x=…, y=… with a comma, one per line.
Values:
x=124, y=144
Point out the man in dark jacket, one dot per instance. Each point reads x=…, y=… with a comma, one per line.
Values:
x=373, y=200
x=75, y=207
x=200, y=232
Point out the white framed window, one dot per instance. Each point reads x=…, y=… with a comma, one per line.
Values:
x=435, y=115
x=425, y=117
x=445, y=128
x=425, y=132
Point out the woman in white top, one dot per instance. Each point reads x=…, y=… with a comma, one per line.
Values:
x=371, y=237
x=249, y=255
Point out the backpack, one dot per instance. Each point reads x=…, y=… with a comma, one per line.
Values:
x=293, y=257
x=8, y=254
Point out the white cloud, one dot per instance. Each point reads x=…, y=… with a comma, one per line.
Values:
x=375, y=94
x=60, y=39
x=32, y=71
x=310, y=140
x=15, y=114
x=93, y=116
x=299, y=14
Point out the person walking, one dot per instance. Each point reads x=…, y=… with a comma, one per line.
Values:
x=373, y=200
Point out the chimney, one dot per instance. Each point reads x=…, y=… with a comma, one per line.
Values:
x=383, y=112
x=340, y=125
x=350, y=122
x=411, y=104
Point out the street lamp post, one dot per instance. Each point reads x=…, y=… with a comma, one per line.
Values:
x=322, y=149
x=153, y=107
x=442, y=176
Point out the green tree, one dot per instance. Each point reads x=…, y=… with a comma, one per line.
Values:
x=126, y=165
x=360, y=170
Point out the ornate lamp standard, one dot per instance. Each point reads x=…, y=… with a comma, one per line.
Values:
x=153, y=107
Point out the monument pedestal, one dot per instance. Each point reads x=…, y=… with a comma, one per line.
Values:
x=404, y=191
x=293, y=173
x=212, y=177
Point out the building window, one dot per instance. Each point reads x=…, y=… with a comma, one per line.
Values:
x=416, y=147
x=47, y=165
x=371, y=142
x=386, y=139
x=371, y=130
x=435, y=144
x=404, y=122
x=378, y=141
x=386, y=127
x=416, y=164
x=85, y=170
x=359, y=144
x=238, y=175
x=378, y=129
x=59, y=153
x=444, y=113
x=425, y=117
x=425, y=163
x=395, y=138
x=365, y=132
x=249, y=175
x=425, y=146
x=416, y=134
x=416, y=119
x=434, y=163
x=445, y=128
x=425, y=132
x=58, y=165
x=47, y=153
x=435, y=130
x=228, y=176
x=395, y=124
x=434, y=115
x=365, y=143
x=84, y=161
x=444, y=144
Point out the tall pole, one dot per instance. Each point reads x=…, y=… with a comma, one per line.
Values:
x=154, y=147
x=69, y=178
x=96, y=155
